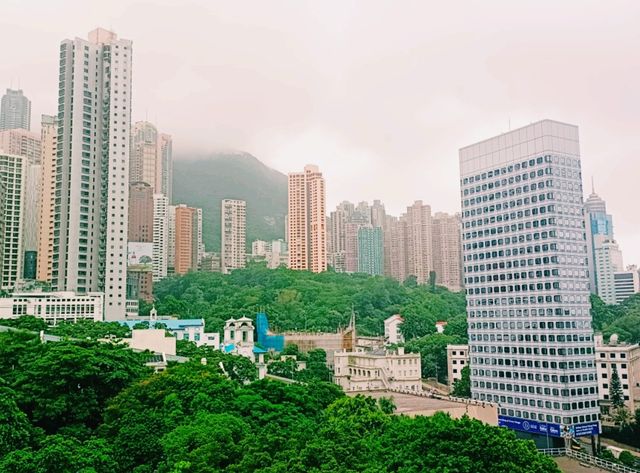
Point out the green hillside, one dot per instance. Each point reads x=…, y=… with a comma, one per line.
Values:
x=204, y=182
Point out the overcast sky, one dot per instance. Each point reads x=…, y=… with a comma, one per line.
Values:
x=380, y=94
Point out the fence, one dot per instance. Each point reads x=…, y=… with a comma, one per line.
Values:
x=586, y=458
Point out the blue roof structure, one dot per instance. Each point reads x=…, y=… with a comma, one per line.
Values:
x=270, y=342
x=171, y=324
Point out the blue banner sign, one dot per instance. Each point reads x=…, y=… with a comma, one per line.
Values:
x=552, y=430
x=582, y=430
x=531, y=426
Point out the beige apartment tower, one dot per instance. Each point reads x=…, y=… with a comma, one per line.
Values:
x=418, y=244
x=20, y=142
x=233, y=241
x=49, y=140
x=186, y=238
x=306, y=229
x=447, y=250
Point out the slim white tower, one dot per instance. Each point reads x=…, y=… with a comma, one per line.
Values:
x=160, y=236
x=90, y=218
x=233, y=239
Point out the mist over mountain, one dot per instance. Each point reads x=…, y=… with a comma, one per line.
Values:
x=203, y=181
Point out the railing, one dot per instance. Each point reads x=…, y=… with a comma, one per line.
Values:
x=586, y=458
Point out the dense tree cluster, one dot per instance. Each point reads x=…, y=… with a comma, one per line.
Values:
x=82, y=406
x=623, y=319
x=300, y=300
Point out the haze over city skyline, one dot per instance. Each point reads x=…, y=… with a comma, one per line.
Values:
x=379, y=95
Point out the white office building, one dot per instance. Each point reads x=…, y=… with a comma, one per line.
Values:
x=525, y=267
x=627, y=283
x=233, y=241
x=160, y=236
x=92, y=178
x=54, y=307
x=608, y=261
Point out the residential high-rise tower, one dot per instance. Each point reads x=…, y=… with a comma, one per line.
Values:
x=92, y=168
x=160, y=236
x=447, y=250
x=371, y=250
x=21, y=142
x=306, y=227
x=49, y=140
x=233, y=241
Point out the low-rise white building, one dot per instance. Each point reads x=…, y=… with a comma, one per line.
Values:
x=366, y=370
x=392, y=333
x=626, y=360
x=155, y=340
x=192, y=330
x=457, y=358
x=54, y=307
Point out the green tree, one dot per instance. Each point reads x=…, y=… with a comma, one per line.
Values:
x=61, y=384
x=433, y=354
x=628, y=459
x=616, y=394
x=25, y=322
x=15, y=429
x=622, y=417
x=462, y=386
x=210, y=442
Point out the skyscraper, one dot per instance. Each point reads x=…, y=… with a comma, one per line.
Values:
x=166, y=163
x=336, y=236
x=13, y=182
x=447, y=250
x=371, y=250
x=306, y=220
x=140, y=212
x=160, y=236
x=21, y=142
x=94, y=123
x=31, y=222
x=15, y=111
x=607, y=262
x=233, y=243
x=627, y=283
x=151, y=158
x=145, y=165
x=598, y=223
x=418, y=246
x=395, y=248
x=378, y=214
x=49, y=140
x=187, y=238
x=525, y=266
x=140, y=245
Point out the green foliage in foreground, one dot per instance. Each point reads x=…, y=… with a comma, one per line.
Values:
x=96, y=408
x=300, y=300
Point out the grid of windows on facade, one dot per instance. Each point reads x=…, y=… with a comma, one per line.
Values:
x=527, y=289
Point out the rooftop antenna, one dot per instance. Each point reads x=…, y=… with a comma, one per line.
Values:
x=509, y=123
x=593, y=186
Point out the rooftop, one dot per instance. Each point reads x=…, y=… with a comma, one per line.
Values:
x=171, y=324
